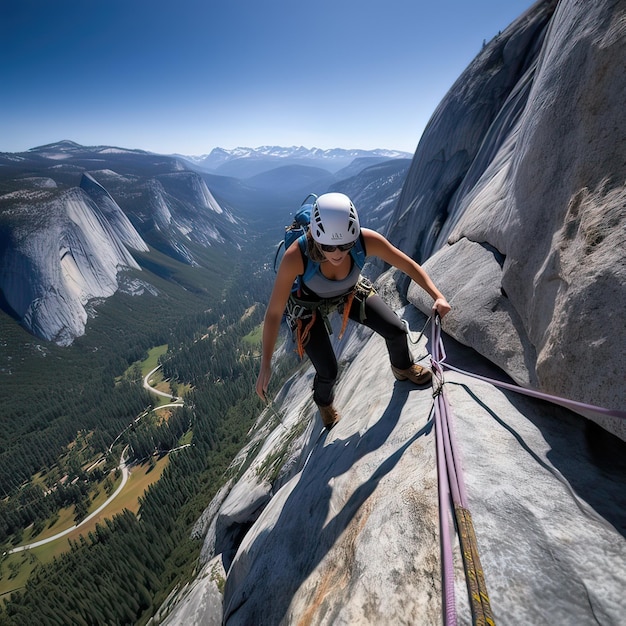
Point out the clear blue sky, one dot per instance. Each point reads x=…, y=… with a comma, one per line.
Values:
x=189, y=75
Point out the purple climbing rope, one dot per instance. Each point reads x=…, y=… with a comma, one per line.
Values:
x=571, y=404
x=445, y=486
x=447, y=559
x=451, y=488
x=451, y=484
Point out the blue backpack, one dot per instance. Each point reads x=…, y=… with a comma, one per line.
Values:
x=298, y=227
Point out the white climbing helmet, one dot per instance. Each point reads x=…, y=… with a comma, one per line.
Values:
x=334, y=220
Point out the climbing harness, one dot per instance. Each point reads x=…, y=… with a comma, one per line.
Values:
x=301, y=312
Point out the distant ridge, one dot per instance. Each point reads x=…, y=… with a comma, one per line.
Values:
x=245, y=162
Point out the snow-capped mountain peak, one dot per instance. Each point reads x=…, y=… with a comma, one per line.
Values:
x=230, y=162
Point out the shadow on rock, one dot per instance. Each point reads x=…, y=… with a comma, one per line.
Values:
x=309, y=522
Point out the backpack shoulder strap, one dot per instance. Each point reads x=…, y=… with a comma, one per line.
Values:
x=280, y=246
x=302, y=246
x=310, y=267
x=358, y=251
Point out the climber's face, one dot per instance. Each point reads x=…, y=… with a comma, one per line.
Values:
x=336, y=254
x=336, y=257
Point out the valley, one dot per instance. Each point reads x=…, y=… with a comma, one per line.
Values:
x=184, y=321
x=121, y=489
x=146, y=479
x=18, y=564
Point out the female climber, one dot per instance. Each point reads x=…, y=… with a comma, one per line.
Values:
x=325, y=264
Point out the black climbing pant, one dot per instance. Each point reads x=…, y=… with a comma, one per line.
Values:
x=381, y=319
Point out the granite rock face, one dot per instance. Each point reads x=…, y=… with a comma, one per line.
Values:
x=65, y=239
x=342, y=527
x=535, y=203
x=64, y=252
x=116, y=218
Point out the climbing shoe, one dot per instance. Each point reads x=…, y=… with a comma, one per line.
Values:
x=416, y=374
x=329, y=415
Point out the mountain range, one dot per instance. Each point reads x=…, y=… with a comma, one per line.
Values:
x=74, y=218
x=247, y=162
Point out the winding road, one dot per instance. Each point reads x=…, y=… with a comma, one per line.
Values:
x=147, y=386
x=122, y=466
x=67, y=531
